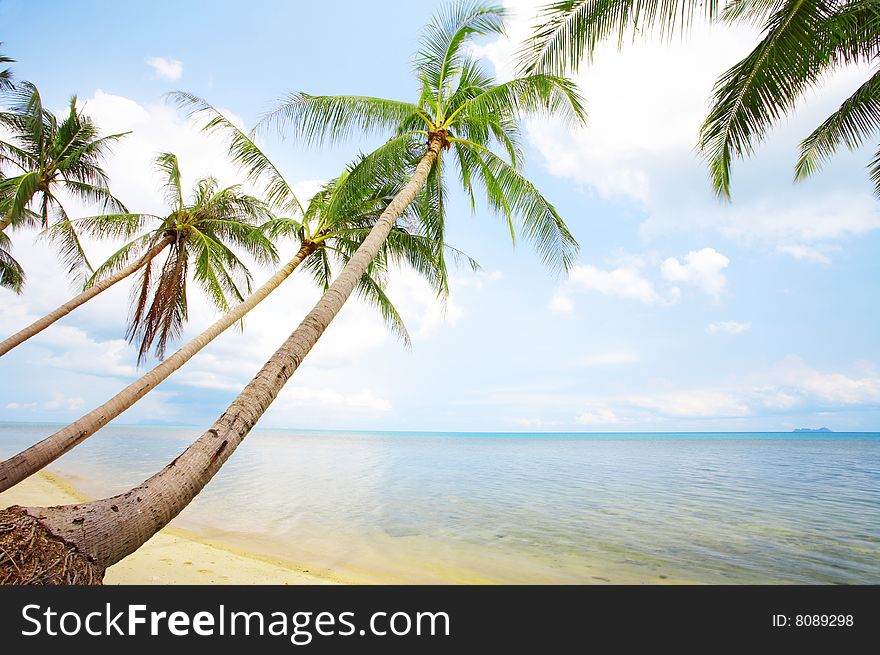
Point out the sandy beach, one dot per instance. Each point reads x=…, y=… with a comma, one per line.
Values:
x=172, y=556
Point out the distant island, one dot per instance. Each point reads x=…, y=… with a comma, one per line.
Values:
x=812, y=430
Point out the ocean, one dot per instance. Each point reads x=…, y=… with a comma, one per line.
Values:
x=717, y=508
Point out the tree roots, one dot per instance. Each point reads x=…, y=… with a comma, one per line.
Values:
x=30, y=554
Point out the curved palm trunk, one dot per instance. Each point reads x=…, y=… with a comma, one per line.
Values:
x=29, y=461
x=39, y=325
x=105, y=531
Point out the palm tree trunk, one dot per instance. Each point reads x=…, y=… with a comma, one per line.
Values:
x=39, y=325
x=105, y=531
x=29, y=461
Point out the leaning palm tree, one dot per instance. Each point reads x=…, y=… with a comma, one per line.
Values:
x=329, y=232
x=52, y=156
x=802, y=42
x=460, y=109
x=198, y=233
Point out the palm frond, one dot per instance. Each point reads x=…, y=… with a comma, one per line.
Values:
x=371, y=291
x=243, y=151
x=441, y=53
x=159, y=304
x=6, y=79
x=114, y=226
x=754, y=11
x=19, y=190
x=857, y=118
x=63, y=235
x=12, y=275
x=319, y=119
x=764, y=86
x=532, y=94
x=98, y=195
x=568, y=32
x=541, y=223
x=125, y=255
x=386, y=165
x=318, y=265
x=874, y=171
x=167, y=164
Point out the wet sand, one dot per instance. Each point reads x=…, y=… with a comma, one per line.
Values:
x=172, y=556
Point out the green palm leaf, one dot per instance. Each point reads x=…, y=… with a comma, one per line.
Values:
x=243, y=151
x=11, y=273
x=569, y=31
x=764, y=86
x=317, y=119
x=372, y=291
x=856, y=119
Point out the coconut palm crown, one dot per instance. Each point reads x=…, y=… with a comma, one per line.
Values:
x=339, y=216
x=201, y=233
x=461, y=106
x=46, y=158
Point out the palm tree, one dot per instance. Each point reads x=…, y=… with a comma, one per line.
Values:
x=52, y=156
x=332, y=226
x=802, y=42
x=194, y=234
x=460, y=109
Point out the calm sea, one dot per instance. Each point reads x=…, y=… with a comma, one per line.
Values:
x=458, y=507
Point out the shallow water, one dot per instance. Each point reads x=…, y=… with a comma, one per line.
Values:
x=715, y=508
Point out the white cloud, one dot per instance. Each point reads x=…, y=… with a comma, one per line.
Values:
x=597, y=417
x=646, y=103
x=306, y=189
x=474, y=279
x=645, y=100
x=701, y=268
x=610, y=358
x=62, y=401
x=419, y=305
x=791, y=385
x=806, y=253
x=30, y=405
x=535, y=423
x=620, y=282
x=298, y=396
x=561, y=304
x=839, y=389
x=728, y=327
x=693, y=404
x=166, y=67
x=781, y=221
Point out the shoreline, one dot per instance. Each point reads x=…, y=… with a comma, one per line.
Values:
x=173, y=555
x=205, y=555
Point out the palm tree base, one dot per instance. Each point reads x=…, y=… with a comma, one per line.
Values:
x=30, y=554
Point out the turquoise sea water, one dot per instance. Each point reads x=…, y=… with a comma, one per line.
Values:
x=715, y=508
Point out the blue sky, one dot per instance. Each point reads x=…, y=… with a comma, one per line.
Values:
x=683, y=312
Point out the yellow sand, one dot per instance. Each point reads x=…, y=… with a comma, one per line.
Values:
x=172, y=556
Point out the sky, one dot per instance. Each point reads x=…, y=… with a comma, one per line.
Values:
x=682, y=313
